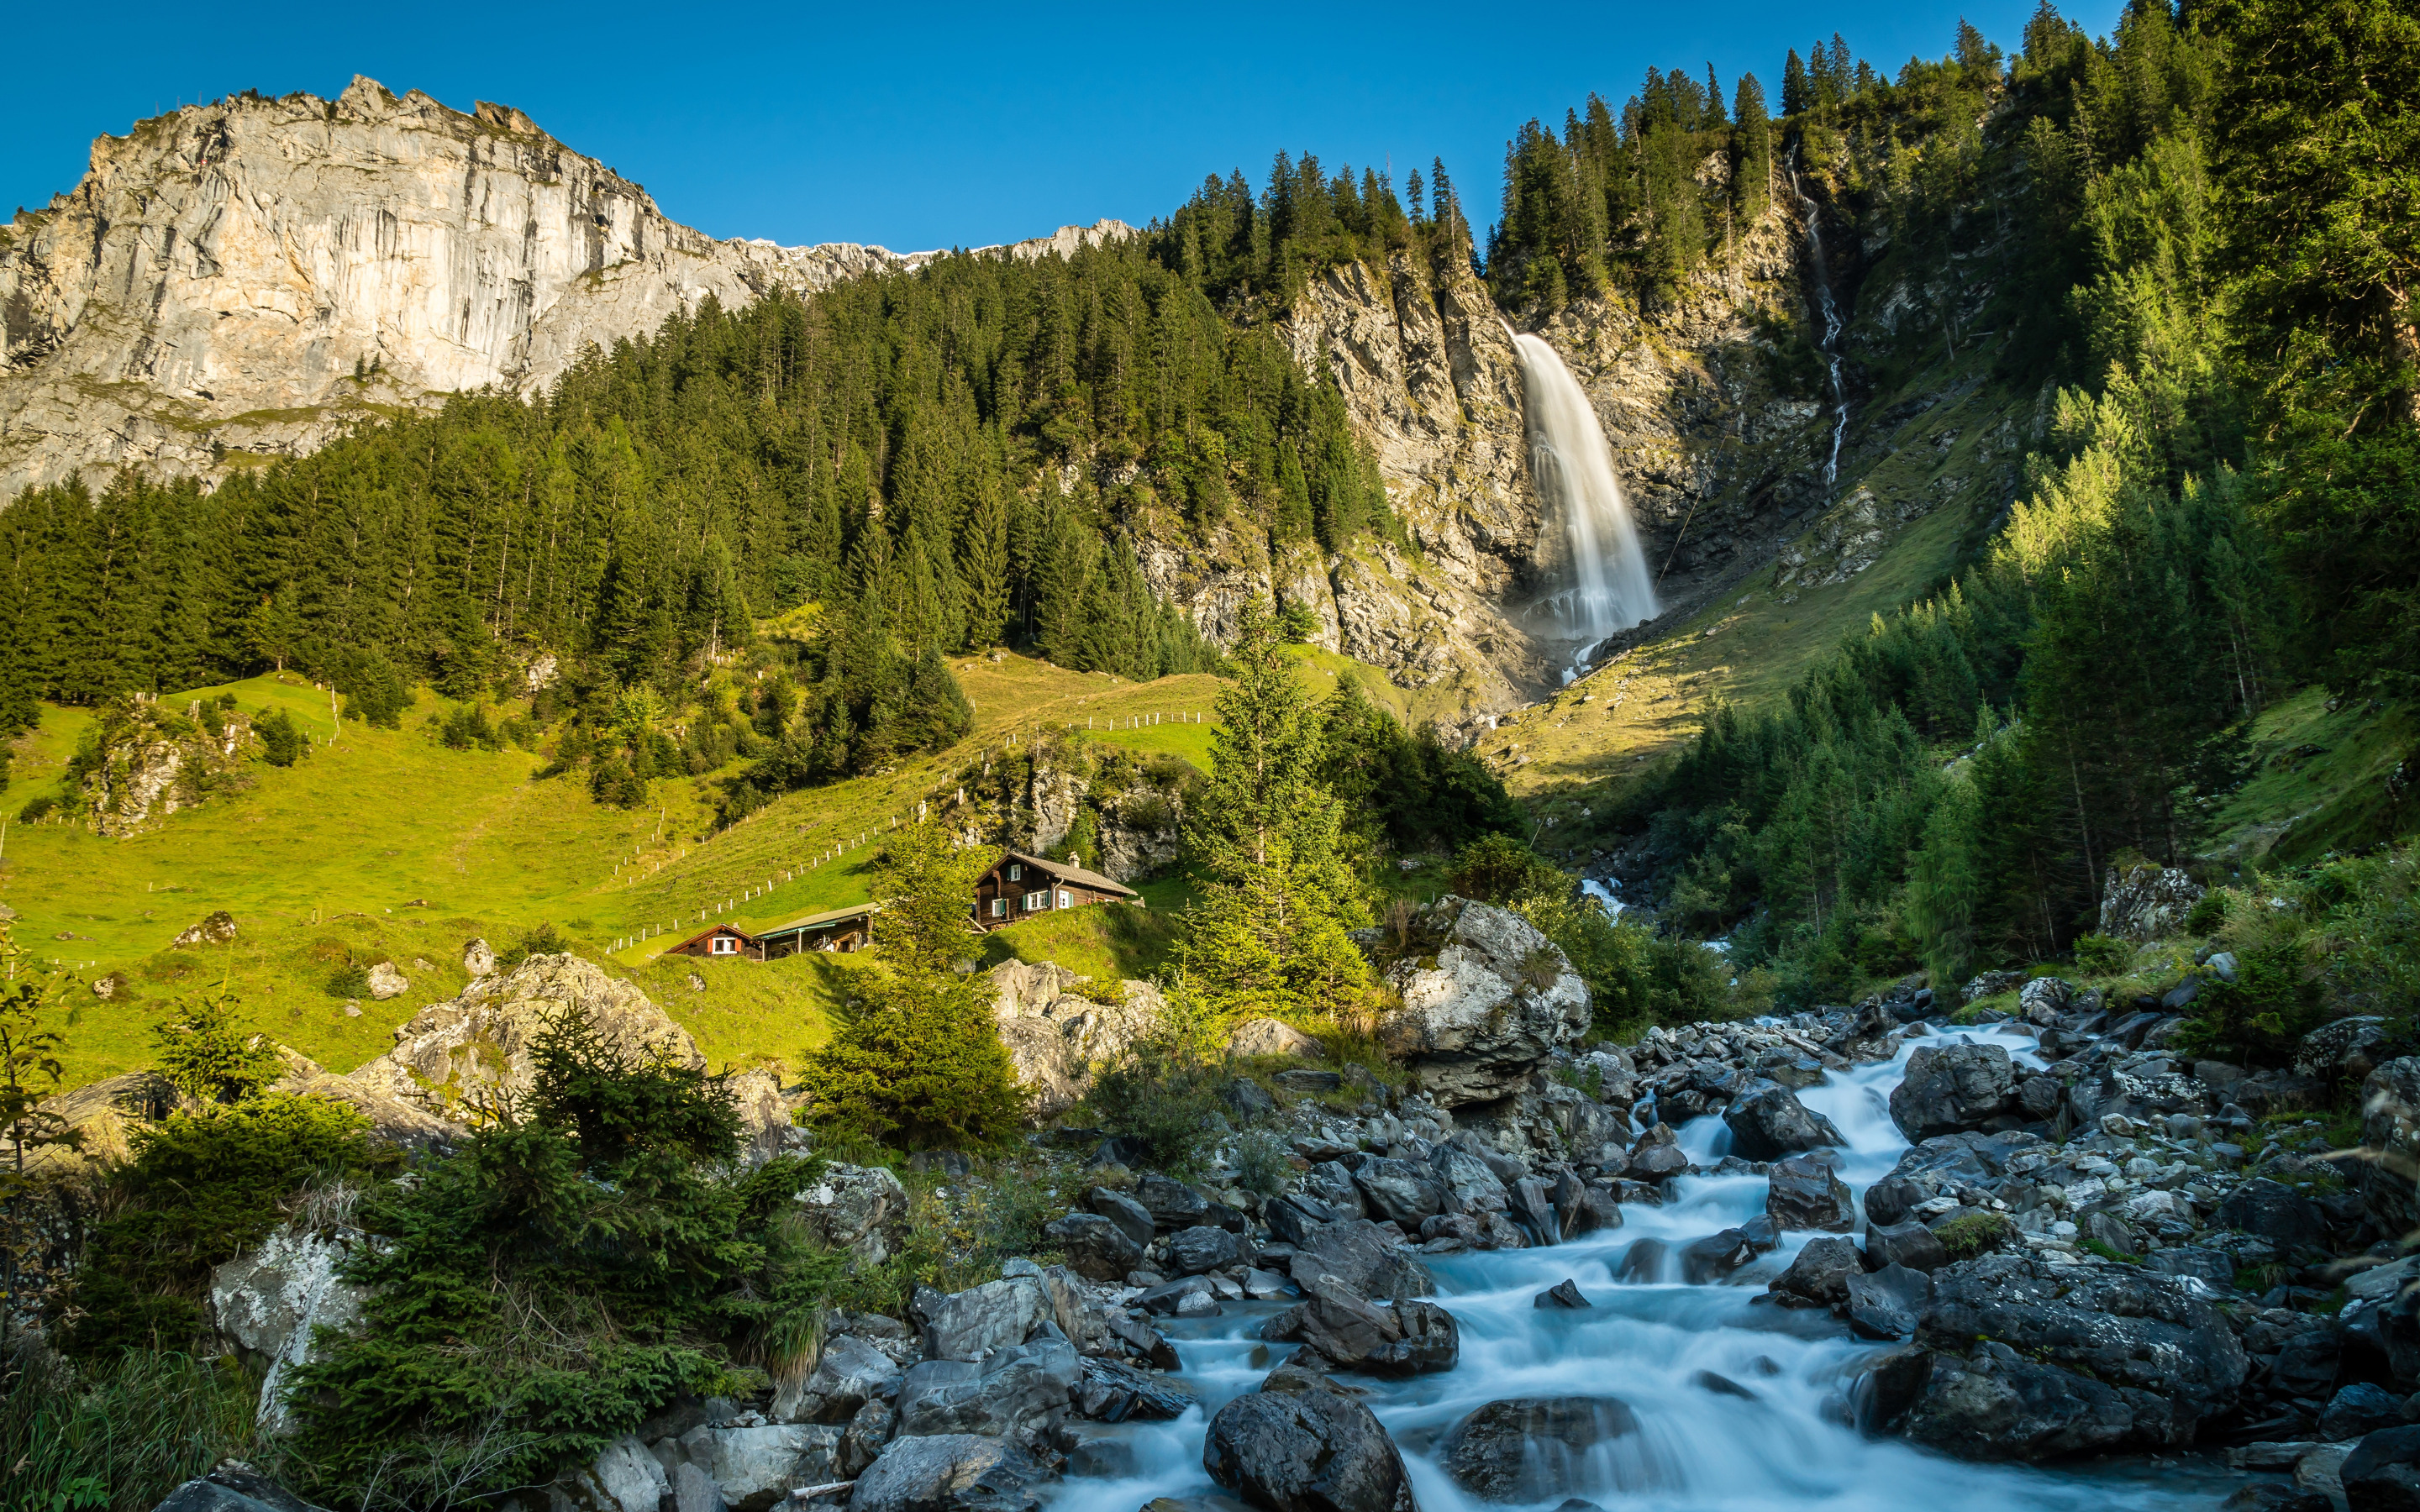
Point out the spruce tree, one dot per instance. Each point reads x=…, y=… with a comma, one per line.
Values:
x=1795, y=95
x=1268, y=935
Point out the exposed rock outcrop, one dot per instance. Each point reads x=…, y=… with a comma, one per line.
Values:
x=1059, y=1034
x=255, y=276
x=1495, y=1000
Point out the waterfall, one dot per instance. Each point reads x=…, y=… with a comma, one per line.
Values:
x=1830, y=310
x=1573, y=467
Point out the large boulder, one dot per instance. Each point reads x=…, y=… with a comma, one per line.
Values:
x=2274, y=1212
x=1819, y=1275
x=967, y=1325
x=1300, y=1443
x=1011, y=1395
x=2382, y=1473
x=1367, y=1258
x=1769, y=1122
x=623, y=1477
x=1403, y=1191
x=860, y=1208
x=1535, y=1448
x=1098, y=1248
x=1272, y=1037
x=1807, y=1193
x=752, y=1468
x=850, y=1373
x=1497, y=1001
x=1060, y=1029
x=2147, y=903
x=1950, y=1089
x=948, y=1472
x=216, y=927
x=2080, y=1358
x=474, y=1052
x=1353, y=1334
x=270, y=1301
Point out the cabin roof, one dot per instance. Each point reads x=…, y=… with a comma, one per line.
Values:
x=831, y=916
x=708, y=933
x=1066, y=872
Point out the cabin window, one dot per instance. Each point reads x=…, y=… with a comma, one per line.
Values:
x=1064, y=902
x=1036, y=900
x=725, y=945
x=999, y=909
x=1016, y=872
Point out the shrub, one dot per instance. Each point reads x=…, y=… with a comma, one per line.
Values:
x=1163, y=1101
x=2098, y=955
x=1264, y=1165
x=204, y=1053
x=467, y=726
x=2209, y=913
x=2263, y=1014
x=349, y=979
x=549, y=1286
x=543, y=939
x=916, y=1061
x=282, y=741
x=199, y=1190
x=37, y=809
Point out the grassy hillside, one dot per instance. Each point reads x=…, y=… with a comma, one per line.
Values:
x=386, y=846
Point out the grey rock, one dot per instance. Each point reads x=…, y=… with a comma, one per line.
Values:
x=1187, y=1297
x=861, y=1443
x=1643, y=1263
x=1133, y=1219
x=1889, y=1303
x=1411, y=1337
x=1807, y=1193
x=233, y=1487
x=968, y=1325
x=1818, y=1273
x=1992, y=1407
x=2147, y=903
x=1717, y=1255
x=1009, y=1396
x=2274, y=1211
x=1470, y=1185
x=1114, y=1393
x=1097, y=1248
x=752, y=1468
x=1192, y=1251
x=1366, y=1258
x=1247, y=1100
x=1909, y=1244
x=948, y=1472
x=850, y=1373
x=1950, y=1089
x=2383, y=1471
x=1770, y=1123
x=1399, y=1190
x=1301, y=1445
x=1564, y=1293
x=1527, y=1449
x=1265, y=1286
x=2360, y=1408
x=1498, y=1000
x=1172, y=1204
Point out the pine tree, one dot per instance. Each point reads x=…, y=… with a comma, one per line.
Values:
x=1796, y=95
x=1268, y=933
x=1751, y=150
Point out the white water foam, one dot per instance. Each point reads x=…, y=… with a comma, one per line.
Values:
x=1573, y=469
x=1698, y=1449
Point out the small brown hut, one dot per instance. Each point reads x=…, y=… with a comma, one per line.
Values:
x=724, y=942
x=1020, y=887
x=838, y=929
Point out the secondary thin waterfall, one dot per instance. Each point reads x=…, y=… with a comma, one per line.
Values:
x=1830, y=310
x=1573, y=467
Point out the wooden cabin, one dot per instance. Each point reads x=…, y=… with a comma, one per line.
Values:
x=839, y=929
x=724, y=942
x=1020, y=887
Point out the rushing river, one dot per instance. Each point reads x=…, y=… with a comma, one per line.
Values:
x=1702, y=1447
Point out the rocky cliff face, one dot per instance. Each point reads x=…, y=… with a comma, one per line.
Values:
x=1718, y=460
x=253, y=276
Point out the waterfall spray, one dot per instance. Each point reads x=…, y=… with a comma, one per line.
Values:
x=1830, y=310
x=1573, y=467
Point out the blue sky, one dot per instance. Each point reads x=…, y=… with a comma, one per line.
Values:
x=935, y=125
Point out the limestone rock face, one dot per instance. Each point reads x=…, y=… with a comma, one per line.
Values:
x=458, y=1057
x=2147, y=902
x=258, y=275
x=269, y=1300
x=1057, y=1035
x=1493, y=1002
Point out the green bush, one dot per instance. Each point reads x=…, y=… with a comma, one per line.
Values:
x=37, y=809
x=282, y=741
x=2259, y=1017
x=200, y=1189
x=2209, y=913
x=545, y=1290
x=1974, y=1233
x=2098, y=955
x=349, y=979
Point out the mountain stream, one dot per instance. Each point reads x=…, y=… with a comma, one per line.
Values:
x=1739, y=1402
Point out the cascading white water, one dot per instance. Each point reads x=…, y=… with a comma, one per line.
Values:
x=1573, y=469
x=1700, y=1448
x=1830, y=310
